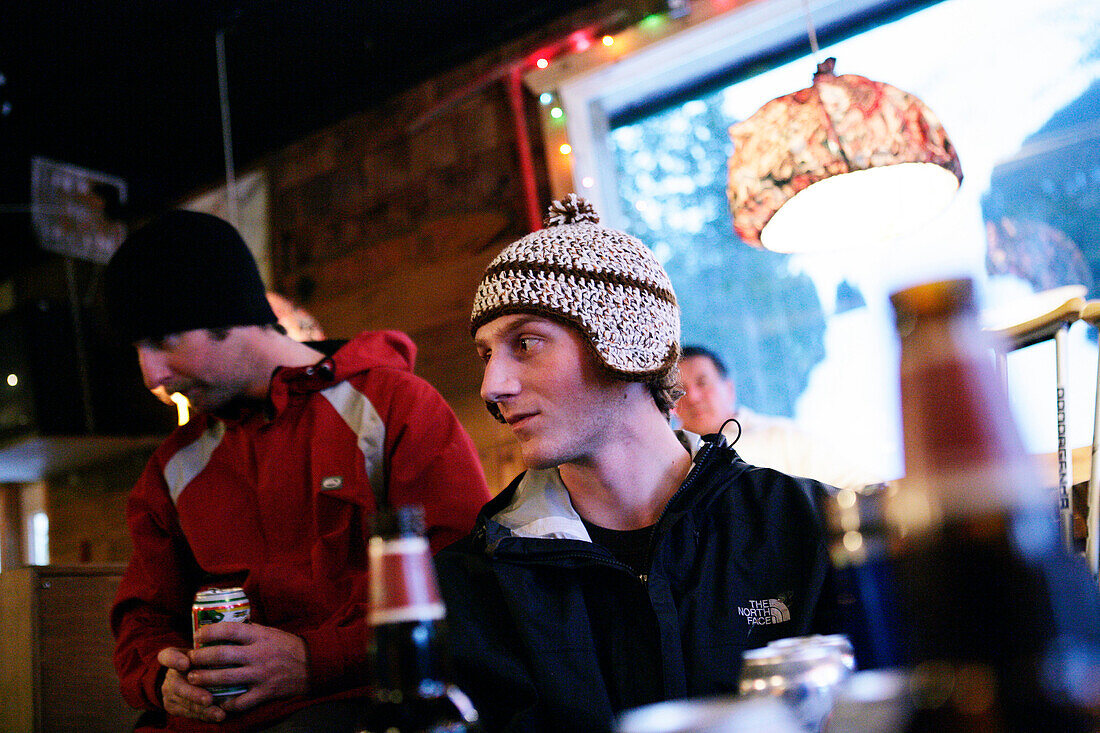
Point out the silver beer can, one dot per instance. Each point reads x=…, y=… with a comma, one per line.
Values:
x=839, y=642
x=804, y=675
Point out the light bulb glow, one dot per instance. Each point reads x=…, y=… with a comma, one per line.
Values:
x=588, y=182
x=13, y=379
x=556, y=113
x=863, y=207
x=542, y=63
x=608, y=41
x=566, y=149
x=183, y=408
x=546, y=97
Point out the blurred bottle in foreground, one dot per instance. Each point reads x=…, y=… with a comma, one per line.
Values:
x=864, y=546
x=411, y=691
x=996, y=625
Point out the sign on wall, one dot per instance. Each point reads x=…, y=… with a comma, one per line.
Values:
x=72, y=210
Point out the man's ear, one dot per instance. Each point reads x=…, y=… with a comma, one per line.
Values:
x=731, y=390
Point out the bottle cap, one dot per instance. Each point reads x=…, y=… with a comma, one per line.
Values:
x=402, y=521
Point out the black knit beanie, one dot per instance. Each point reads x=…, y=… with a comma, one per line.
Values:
x=183, y=271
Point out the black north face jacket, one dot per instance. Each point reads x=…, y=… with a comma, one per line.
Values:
x=551, y=633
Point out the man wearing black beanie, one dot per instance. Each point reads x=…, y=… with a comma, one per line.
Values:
x=269, y=487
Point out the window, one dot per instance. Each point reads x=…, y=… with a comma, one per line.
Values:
x=39, y=539
x=1017, y=86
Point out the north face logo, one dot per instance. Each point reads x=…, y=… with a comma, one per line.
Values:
x=767, y=611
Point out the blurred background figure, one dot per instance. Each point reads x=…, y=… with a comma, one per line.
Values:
x=710, y=400
x=300, y=325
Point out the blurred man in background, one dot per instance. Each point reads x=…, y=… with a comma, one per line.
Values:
x=709, y=403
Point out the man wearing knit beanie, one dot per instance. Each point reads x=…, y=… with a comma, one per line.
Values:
x=271, y=487
x=630, y=563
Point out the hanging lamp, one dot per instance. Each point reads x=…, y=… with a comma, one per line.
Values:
x=845, y=162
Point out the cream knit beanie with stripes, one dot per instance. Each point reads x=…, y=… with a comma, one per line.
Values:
x=603, y=281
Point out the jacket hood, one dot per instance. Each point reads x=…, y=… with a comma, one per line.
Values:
x=391, y=349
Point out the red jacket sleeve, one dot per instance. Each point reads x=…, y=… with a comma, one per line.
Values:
x=433, y=462
x=153, y=599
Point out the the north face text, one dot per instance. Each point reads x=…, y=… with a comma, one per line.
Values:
x=769, y=611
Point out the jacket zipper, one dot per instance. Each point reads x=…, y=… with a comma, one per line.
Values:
x=606, y=560
x=693, y=475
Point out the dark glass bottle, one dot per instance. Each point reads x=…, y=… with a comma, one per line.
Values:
x=411, y=691
x=1001, y=623
x=863, y=547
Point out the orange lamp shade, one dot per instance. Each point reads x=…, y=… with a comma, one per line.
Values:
x=840, y=125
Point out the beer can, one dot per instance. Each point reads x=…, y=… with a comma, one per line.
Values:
x=839, y=642
x=214, y=606
x=803, y=675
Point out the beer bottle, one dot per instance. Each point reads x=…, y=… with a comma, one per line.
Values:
x=1002, y=623
x=411, y=691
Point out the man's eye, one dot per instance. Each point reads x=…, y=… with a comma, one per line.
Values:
x=526, y=344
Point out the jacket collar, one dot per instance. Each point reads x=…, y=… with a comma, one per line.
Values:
x=537, y=505
x=541, y=507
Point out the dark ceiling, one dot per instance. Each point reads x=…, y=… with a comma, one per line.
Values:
x=130, y=87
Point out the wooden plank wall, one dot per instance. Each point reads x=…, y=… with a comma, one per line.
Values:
x=18, y=658
x=56, y=672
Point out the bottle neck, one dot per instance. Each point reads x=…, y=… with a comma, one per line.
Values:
x=963, y=455
x=402, y=582
x=406, y=612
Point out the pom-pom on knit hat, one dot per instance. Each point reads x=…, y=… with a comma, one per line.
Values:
x=603, y=281
x=183, y=271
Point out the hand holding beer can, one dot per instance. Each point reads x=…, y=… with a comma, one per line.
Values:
x=215, y=606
